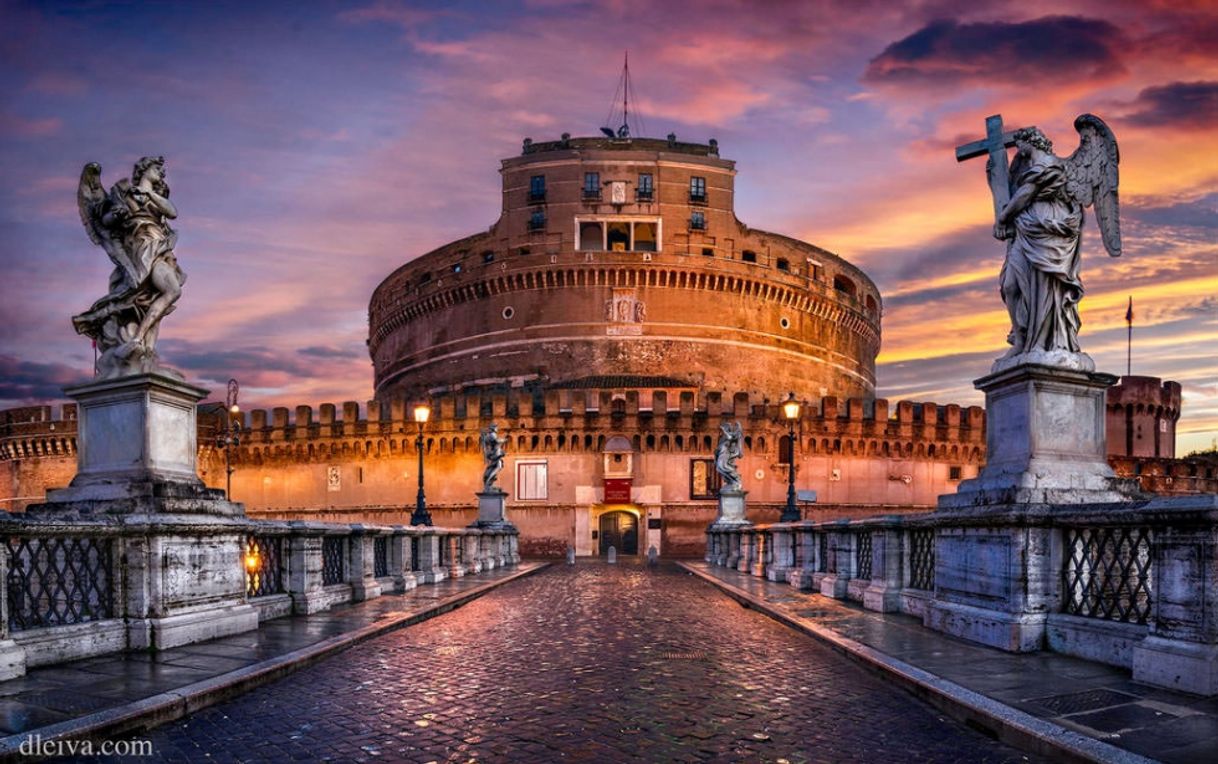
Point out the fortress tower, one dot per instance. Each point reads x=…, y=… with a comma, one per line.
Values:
x=617, y=261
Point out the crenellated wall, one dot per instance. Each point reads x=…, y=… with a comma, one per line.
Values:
x=358, y=462
x=1142, y=416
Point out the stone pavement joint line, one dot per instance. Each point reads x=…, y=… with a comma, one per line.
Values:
x=590, y=662
x=109, y=695
x=1061, y=707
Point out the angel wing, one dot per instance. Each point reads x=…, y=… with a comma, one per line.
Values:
x=91, y=200
x=1092, y=176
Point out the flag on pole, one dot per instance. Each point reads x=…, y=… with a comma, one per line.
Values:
x=1129, y=311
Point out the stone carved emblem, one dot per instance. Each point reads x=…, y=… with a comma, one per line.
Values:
x=625, y=312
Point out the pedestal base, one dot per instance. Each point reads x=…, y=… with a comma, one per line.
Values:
x=1184, y=666
x=731, y=509
x=1015, y=633
x=1045, y=441
x=187, y=628
x=492, y=511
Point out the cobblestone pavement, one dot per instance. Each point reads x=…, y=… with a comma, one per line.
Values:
x=592, y=663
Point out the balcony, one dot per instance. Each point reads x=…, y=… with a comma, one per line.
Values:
x=643, y=195
x=697, y=198
x=537, y=197
x=592, y=194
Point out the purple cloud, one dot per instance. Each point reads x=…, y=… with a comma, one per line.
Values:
x=1177, y=104
x=946, y=52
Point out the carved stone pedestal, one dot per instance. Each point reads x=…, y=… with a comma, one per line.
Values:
x=1045, y=441
x=731, y=509
x=177, y=546
x=492, y=512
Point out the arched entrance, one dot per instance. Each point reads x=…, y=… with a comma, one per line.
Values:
x=620, y=530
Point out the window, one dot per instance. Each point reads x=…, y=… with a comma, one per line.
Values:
x=537, y=188
x=783, y=264
x=645, y=237
x=591, y=236
x=843, y=284
x=748, y=256
x=704, y=481
x=531, y=481
x=592, y=185
x=488, y=256
x=645, y=189
x=697, y=221
x=953, y=473
x=784, y=449
x=537, y=220
x=617, y=236
x=697, y=189
x=456, y=267
x=708, y=252
x=594, y=234
x=423, y=279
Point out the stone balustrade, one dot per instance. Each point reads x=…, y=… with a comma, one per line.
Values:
x=1127, y=585
x=81, y=587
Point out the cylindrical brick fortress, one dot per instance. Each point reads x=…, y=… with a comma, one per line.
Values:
x=624, y=257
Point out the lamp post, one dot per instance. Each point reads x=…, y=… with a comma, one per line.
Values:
x=790, y=412
x=229, y=436
x=421, y=515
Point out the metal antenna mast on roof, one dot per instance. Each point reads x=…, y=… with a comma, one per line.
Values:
x=623, y=90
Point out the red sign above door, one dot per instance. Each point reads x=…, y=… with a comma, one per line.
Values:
x=617, y=490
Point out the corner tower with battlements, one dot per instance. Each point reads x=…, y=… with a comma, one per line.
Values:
x=623, y=259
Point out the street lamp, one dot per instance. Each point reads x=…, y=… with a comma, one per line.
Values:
x=790, y=412
x=229, y=436
x=421, y=515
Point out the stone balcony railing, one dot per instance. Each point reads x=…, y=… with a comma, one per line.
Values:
x=84, y=587
x=1134, y=586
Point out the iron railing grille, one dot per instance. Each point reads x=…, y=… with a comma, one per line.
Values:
x=267, y=577
x=58, y=581
x=1107, y=574
x=922, y=559
x=864, y=559
x=414, y=553
x=332, y=560
x=380, y=556
x=822, y=552
x=795, y=537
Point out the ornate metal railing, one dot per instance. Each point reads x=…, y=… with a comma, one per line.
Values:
x=864, y=556
x=414, y=553
x=822, y=552
x=58, y=580
x=264, y=566
x=1107, y=573
x=922, y=559
x=332, y=560
x=380, y=556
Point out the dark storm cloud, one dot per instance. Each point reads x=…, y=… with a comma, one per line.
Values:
x=252, y=365
x=1200, y=213
x=329, y=351
x=25, y=380
x=946, y=52
x=1177, y=104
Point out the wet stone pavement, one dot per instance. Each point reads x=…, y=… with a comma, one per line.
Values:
x=586, y=663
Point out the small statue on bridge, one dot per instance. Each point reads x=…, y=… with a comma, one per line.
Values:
x=1038, y=205
x=131, y=223
x=727, y=451
x=492, y=453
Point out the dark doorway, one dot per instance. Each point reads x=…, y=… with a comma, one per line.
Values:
x=619, y=530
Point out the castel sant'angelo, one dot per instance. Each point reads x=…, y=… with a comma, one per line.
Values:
x=611, y=319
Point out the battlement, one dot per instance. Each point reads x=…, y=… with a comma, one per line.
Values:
x=1146, y=395
x=557, y=418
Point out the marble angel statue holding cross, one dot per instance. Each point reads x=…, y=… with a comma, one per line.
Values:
x=1038, y=203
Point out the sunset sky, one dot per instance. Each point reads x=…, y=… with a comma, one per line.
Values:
x=313, y=147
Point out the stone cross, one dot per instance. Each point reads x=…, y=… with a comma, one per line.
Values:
x=995, y=143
